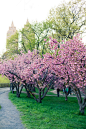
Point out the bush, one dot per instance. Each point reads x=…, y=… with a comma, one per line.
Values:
x=4, y=85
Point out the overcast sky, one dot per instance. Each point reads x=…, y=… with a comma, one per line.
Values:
x=19, y=10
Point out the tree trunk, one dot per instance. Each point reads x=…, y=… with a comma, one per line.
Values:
x=81, y=109
x=58, y=92
x=17, y=93
x=33, y=88
x=39, y=99
x=43, y=91
x=12, y=87
x=21, y=89
x=28, y=94
x=44, y=94
x=82, y=104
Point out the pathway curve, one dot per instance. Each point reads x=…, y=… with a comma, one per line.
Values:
x=9, y=116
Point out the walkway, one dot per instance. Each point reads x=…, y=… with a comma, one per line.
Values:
x=9, y=116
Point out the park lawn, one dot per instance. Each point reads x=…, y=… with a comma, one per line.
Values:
x=4, y=79
x=52, y=113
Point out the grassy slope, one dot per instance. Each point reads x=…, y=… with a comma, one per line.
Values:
x=52, y=113
x=4, y=79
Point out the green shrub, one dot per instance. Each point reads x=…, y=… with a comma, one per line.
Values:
x=4, y=85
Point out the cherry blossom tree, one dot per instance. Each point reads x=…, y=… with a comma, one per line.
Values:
x=73, y=58
x=70, y=67
x=24, y=69
x=64, y=66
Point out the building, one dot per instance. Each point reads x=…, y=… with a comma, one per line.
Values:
x=15, y=39
x=12, y=41
x=11, y=30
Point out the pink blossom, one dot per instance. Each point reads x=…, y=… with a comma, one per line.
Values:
x=45, y=40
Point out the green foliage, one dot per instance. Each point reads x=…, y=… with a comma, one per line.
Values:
x=12, y=43
x=41, y=31
x=0, y=106
x=11, y=46
x=28, y=38
x=67, y=19
x=53, y=112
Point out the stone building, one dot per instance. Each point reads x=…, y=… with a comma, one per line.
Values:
x=11, y=30
x=20, y=40
x=11, y=41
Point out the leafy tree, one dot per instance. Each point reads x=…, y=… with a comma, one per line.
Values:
x=6, y=55
x=12, y=43
x=68, y=19
x=11, y=46
x=28, y=38
x=41, y=32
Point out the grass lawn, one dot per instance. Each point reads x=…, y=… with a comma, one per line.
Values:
x=52, y=113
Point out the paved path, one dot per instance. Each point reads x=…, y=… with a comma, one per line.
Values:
x=9, y=116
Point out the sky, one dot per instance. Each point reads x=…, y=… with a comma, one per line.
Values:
x=19, y=11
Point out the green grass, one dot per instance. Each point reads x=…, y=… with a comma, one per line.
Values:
x=4, y=79
x=52, y=113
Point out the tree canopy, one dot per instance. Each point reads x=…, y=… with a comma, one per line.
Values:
x=11, y=46
x=28, y=38
x=68, y=19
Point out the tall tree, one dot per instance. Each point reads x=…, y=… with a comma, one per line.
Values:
x=28, y=38
x=68, y=19
x=11, y=46
x=41, y=31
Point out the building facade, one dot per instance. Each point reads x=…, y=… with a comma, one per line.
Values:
x=11, y=31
